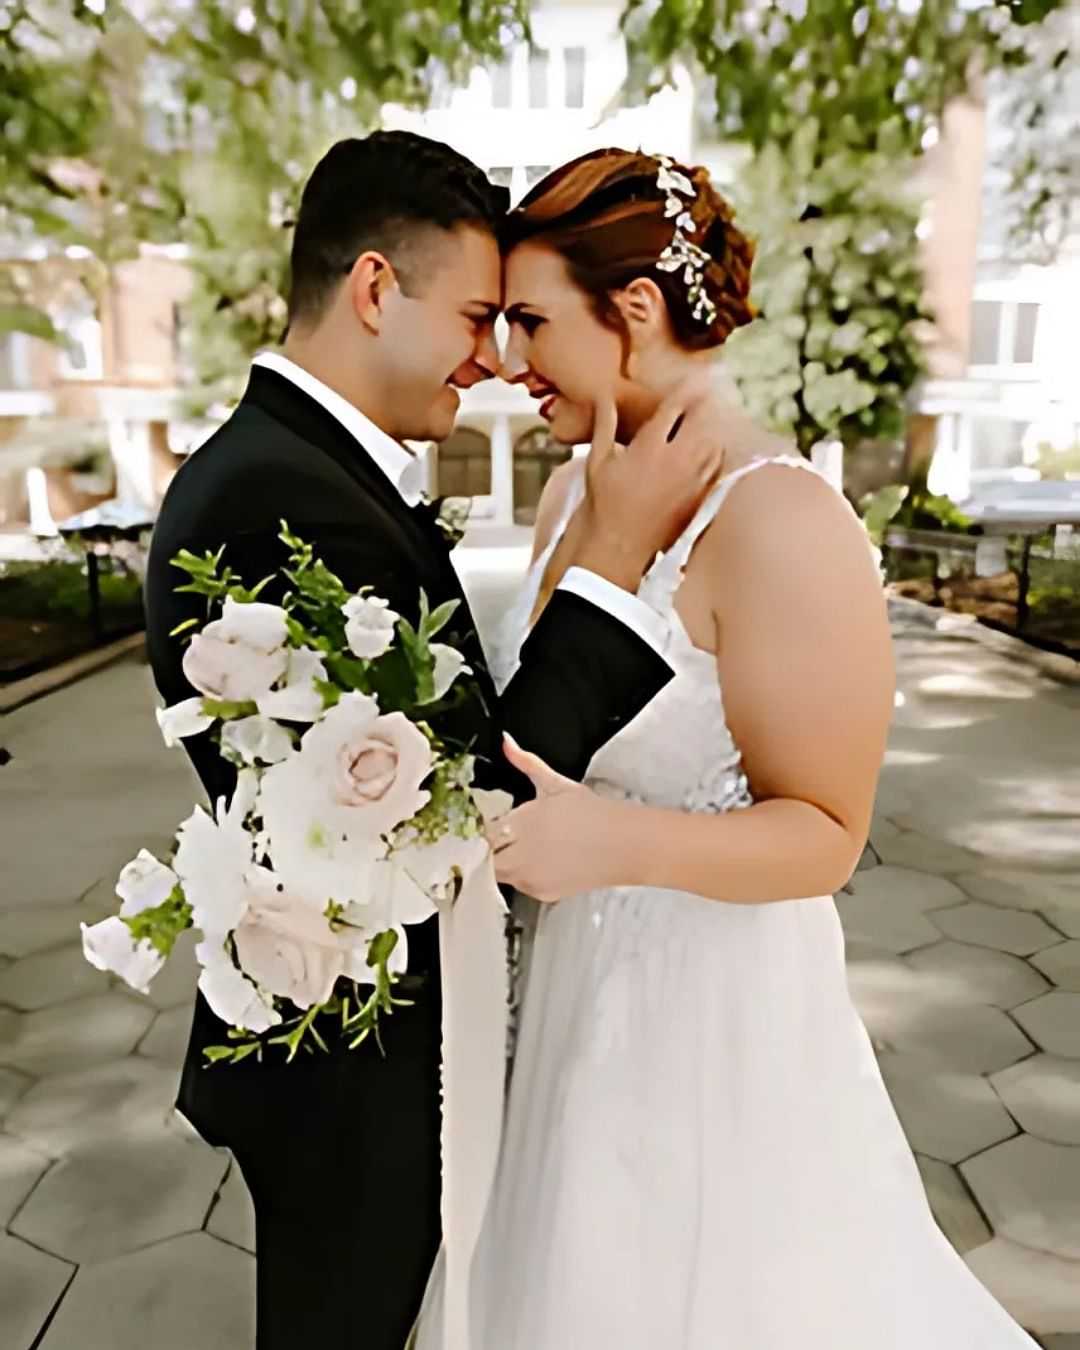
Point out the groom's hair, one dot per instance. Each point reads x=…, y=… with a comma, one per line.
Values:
x=389, y=192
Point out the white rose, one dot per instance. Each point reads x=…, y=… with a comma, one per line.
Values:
x=325, y=809
x=288, y=947
x=369, y=628
x=241, y=655
x=212, y=859
x=232, y=996
x=144, y=883
x=256, y=740
x=109, y=946
x=389, y=897
x=183, y=720
x=297, y=700
x=433, y=866
x=449, y=664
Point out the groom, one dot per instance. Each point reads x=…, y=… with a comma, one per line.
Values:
x=395, y=287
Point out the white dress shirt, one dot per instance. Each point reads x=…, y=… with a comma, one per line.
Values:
x=406, y=471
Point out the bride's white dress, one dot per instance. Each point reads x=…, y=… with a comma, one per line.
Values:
x=699, y=1152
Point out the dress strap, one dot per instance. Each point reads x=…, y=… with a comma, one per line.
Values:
x=667, y=573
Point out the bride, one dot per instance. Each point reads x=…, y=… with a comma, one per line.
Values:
x=699, y=1151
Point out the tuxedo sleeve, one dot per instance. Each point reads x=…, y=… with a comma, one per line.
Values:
x=584, y=674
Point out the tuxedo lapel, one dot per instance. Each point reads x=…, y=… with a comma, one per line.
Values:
x=304, y=415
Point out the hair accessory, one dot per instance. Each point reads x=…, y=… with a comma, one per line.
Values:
x=682, y=252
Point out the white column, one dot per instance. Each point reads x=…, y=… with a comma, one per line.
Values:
x=502, y=470
x=129, y=445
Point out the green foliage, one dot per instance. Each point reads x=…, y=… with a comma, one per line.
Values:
x=163, y=924
x=58, y=590
x=879, y=508
x=835, y=101
x=198, y=126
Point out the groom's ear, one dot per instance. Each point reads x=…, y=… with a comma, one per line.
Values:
x=370, y=281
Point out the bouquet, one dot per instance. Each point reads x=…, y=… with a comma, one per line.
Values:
x=351, y=818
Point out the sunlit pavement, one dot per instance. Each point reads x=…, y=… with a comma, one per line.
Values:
x=123, y=1232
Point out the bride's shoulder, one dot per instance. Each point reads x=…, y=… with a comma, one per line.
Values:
x=774, y=498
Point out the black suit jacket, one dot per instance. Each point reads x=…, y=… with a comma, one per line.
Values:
x=281, y=455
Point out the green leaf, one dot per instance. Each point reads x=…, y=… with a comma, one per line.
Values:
x=226, y=711
x=162, y=924
x=440, y=617
x=183, y=627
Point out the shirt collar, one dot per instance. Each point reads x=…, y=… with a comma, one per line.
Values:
x=404, y=469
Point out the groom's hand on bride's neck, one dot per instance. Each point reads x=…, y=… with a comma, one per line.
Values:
x=640, y=499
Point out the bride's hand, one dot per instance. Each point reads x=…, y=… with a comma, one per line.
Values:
x=554, y=846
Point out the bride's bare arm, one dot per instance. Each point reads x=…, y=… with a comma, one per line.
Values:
x=806, y=667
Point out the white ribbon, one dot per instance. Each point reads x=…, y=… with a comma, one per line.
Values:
x=475, y=993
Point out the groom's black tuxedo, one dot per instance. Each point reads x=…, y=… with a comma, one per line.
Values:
x=340, y=1151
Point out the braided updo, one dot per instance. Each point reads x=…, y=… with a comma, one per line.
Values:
x=604, y=213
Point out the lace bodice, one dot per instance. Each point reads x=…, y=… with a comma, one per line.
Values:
x=678, y=752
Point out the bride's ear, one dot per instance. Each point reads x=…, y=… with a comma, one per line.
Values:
x=643, y=309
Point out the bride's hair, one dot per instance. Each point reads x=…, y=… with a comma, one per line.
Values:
x=604, y=213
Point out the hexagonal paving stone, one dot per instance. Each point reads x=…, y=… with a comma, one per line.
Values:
x=30, y=1284
x=188, y=1292
x=897, y=930
x=167, y=1039
x=27, y=930
x=50, y=977
x=1042, y=1292
x=12, y=1087
x=60, y=1113
x=175, y=985
x=1060, y=964
x=1005, y=930
x=908, y=848
x=1030, y=1192
x=21, y=1168
x=891, y=799
x=67, y=1037
x=1053, y=1022
x=957, y=1214
x=1045, y=843
x=1055, y=897
x=968, y=1038
x=1021, y=890
x=908, y=889
x=120, y=1194
x=1043, y=1093
x=233, y=1218
x=978, y=974
x=946, y=1115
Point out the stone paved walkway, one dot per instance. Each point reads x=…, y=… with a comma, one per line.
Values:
x=119, y=1231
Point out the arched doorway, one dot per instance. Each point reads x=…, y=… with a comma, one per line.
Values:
x=463, y=464
x=536, y=457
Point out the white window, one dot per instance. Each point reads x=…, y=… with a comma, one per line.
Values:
x=534, y=172
x=14, y=361
x=502, y=85
x=574, y=68
x=502, y=175
x=81, y=355
x=539, y=65
x=1003, y=334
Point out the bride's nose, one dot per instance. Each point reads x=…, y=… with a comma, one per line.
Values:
x=514, y=366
